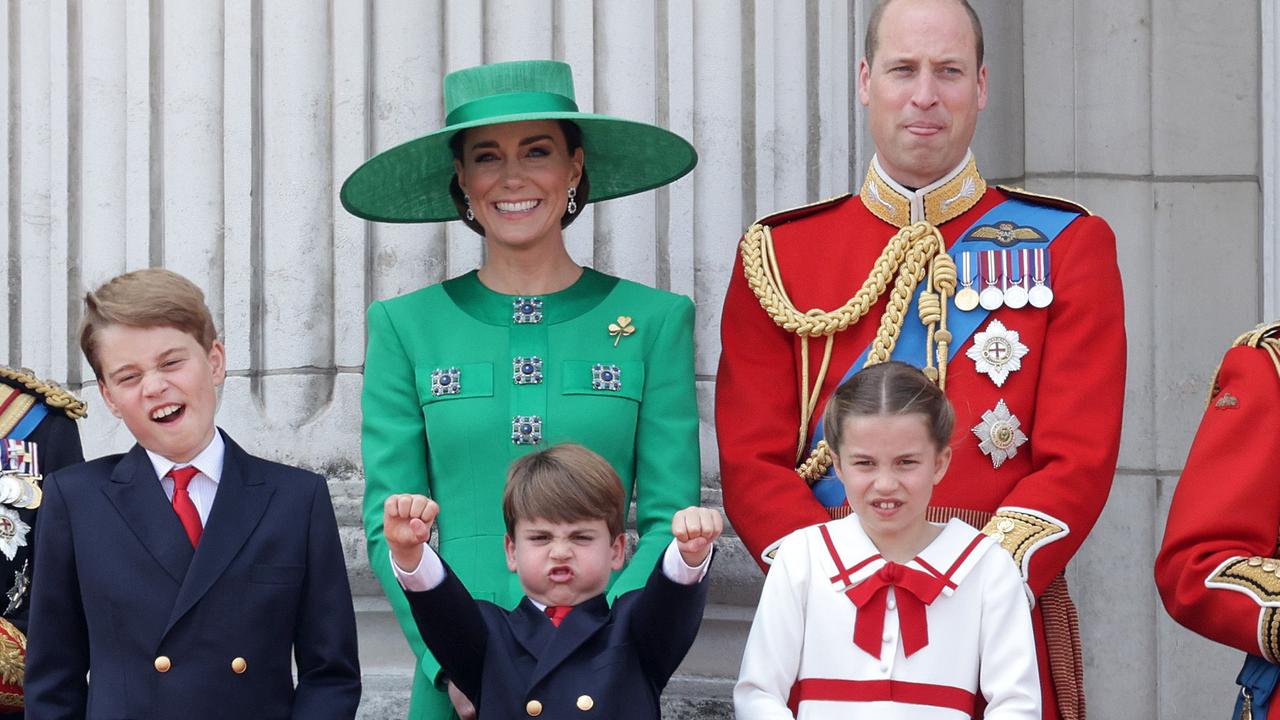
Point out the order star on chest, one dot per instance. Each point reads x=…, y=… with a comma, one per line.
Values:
x=13, y=532
x=999, y=434
x=997, y=351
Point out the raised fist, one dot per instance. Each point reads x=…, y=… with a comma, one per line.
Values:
x=406, y=523
x=695, y=529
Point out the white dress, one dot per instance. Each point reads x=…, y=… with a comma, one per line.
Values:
x=979, y=634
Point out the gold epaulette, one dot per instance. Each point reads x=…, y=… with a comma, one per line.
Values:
x=53, y=395
x=795, y=213
x=1266, y=337
x=1042, y=199
x=1254, y=337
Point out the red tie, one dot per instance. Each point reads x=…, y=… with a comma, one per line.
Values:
x=182, y=504
x=557, y=613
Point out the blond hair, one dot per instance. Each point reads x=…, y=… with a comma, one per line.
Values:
x=152, y=297
x=564, y=483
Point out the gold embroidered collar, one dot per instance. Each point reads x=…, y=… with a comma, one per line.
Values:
x=944, y=200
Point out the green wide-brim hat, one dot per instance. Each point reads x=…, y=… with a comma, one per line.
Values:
x=410, y=182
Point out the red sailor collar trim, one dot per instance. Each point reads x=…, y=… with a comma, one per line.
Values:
x=951, y=555
x=946, y=199
x=918, y=582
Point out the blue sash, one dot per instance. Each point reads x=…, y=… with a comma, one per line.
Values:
x=28, y=422
x=1259, y=677
x=911, y=340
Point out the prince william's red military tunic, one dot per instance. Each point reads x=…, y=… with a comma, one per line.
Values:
x=1038, y=391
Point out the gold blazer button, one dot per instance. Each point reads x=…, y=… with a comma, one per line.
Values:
x=585, y=703
x=238, y=666
x=163, y=664
x=534, y=708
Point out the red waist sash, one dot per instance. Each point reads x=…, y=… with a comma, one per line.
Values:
x=824, y=689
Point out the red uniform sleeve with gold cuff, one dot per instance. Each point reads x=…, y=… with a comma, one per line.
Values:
x=1216, y=571
x=1074, y=429
x=757, y=401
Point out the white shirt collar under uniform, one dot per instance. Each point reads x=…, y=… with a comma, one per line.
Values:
x=204, y=486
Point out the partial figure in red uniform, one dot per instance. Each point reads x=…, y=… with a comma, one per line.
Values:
x=1010, y=301
x=1217, y=570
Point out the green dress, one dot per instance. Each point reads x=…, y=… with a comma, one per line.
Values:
x=460, y=380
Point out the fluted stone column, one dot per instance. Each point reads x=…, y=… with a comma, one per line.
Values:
x=211, y=137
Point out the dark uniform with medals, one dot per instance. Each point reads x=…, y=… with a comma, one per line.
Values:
x=38, y=435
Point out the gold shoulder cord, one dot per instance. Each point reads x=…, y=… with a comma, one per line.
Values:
x=1266, y=337
x=1272, y=346
x=54, y=395
x=914, y=252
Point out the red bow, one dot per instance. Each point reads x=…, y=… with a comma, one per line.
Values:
x=915, y=590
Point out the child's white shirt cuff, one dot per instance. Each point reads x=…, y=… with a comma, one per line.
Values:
x=430, y=571
x=677, y=571
x=427, y=576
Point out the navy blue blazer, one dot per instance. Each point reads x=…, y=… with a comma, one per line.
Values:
x=171, y=632
x=601, y=662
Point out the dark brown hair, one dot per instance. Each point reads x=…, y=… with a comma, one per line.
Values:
x=573, y=141
x=152, y=297
x=872, y=41
x=889, y=388
x=564, y=483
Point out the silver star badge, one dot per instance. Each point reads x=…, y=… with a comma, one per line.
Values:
x=13, y=532
x=997, y=352
x=999, y=434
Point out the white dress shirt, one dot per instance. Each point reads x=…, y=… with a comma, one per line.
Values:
x=430, y=571
x=204, y=486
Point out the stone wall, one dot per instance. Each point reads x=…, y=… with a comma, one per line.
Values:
x=211, y=137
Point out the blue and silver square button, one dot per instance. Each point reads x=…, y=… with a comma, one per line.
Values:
x=526, y=310
x=606, y=377
x=446, y=382
x=526, y=429
x=526, y=370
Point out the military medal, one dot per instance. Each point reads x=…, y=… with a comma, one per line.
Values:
x=966, y=298
x=13, y=532
x=991, y=297
x=10, y=488
x=999, y=434
x=1015, y=293
x=32, y=495
x=997, y=351
x=19, y=456
x=1040, y=296
x=17, y=593
x=20, y=491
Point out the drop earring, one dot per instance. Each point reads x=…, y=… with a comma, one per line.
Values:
x=471, y=214
x=573, y=205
